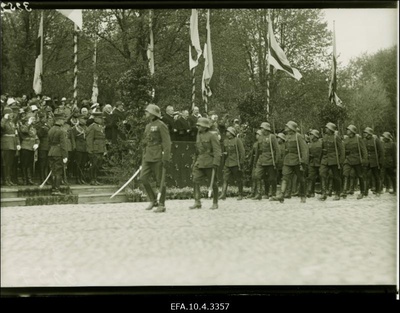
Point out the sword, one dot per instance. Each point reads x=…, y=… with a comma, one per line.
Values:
x=211, y=183
x=161, y=184
x=45, y=181
x=129, y=180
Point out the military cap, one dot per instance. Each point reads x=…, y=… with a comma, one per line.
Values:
x=282, y=136
x=369, y=130
x=232, y=131
x=7, y=110
x=387, y=135
x=154, y=110
x=10, y=101
x=292, y=126
x=64, y=99
x=331, y=126
x=352, y=128
x=315, y=133
x=97, y=114
x=14, y=106
x=203, y=121
x=266, y=126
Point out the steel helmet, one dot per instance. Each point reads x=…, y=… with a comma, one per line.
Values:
x=368, y=130
x=387, y=135
x=266, y=126
x=292, y=126
x=203, y=121
x=154, y=110
x=352, y=128
x=232, y=131
x=259, y=132
x=282, y=136
x=315, y=133
x=331, y=126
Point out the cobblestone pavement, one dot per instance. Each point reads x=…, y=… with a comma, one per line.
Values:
x=242, y=243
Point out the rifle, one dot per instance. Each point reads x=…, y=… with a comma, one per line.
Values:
x=376, y=152
x=336, y=151
x=272, y=151
x=359, y=149
x=298, y=153
x=237, y=154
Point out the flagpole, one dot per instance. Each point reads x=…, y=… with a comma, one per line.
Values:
x=75, y=64
x=268, y=70
x=151, y=54
x=95, y=77
x=41, y=48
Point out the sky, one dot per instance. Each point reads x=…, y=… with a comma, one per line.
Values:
x=362, y=30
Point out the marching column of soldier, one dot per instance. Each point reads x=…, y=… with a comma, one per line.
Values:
x=65, y=138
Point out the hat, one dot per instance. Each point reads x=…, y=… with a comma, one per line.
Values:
x=34, y=107
x=387, y=135
x=10, y=101
x=203, y=121
x=292, y=126
x=265, y=126
x=95, y=105
x=7, y=110
x=236, y=120
x=282, y=136
x=315, y=133
x=63, y=99
x=331, y=126
x=232, y=131
x=154, y=110
x=352, y=128
x=47, y=98
x=369, y=130
x=84, y=110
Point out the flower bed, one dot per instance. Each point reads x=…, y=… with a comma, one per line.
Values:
x=49, y=200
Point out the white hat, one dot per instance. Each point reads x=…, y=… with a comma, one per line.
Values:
x=47, y=98
x=95, y=105
x=34, y=107
x=64, y=99
x=10, y=101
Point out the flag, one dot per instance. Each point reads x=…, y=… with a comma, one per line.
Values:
x=208, y=64
x=194, y=39
x=277, y=57
x=37, y=77
x=333, y=98
x=150, y=47
x=74, y=15
x=95, y=88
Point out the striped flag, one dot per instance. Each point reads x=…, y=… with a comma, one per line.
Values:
x=333, y=98
x=277, y=57
x=208, y=66
x=37, y=78
x=74, y=15
x=194, y=39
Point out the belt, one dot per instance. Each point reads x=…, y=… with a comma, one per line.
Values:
x=9, y=135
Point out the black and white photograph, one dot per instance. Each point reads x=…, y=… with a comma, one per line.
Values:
x=150, y=145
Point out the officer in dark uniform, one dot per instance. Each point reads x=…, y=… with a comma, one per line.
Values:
x=281, y=137
x=156, y=156
x=375, y=158
x=29, y=144
x=234, y=157
x=390, y=160
x=295, y=161
x=356, y=159
x=332, y=160
x=43, y=133
x=10, y=144
x=96, y=145
x=252, y=165
x=207, y=160
x=79, y=134
x=58, y=153
x=315, y=154
x=267, y=161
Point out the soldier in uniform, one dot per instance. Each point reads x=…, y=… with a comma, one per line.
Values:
x=269, y=157
x=43, y=134
x=156, y=157
x=375, y=158
x=390, y=160
x=207, y=160
x=315, y=154
x=96, y=145
x=356, y=159
x=295, y=161
x=58, y=154
x=332, y=160
x=29, y=144
x=79, y=134
x=281, y=142
x=234, y=157
x=252, y=165
x=9, y=144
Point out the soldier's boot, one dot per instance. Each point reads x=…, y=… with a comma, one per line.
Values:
x=240, y=187
x=258, y=191
x=273, y=189
x=29, y=175
x=196, y=194
x=351, y=185
x=309, y=189
x=224, y=189
x=161, y=206
x=253, y=189
x=288, y=193
x=215, y=199
x=281, y=197
x=363, y=187
x=266, y=189
x=323, y=189
x=151, y=196
x=345, y=186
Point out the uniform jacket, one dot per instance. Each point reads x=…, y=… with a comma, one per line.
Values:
x=29, y=136
x=235, y=152
x=157, y=142
x=265, y=144
x=281, y=155
x=253, y=155
x=58, y=142
x=9, y=135
x=291, y=151
x=315, y=152
x=70, y=139
x=95, y=139
x=208, y=150
x=390, y=152
x=79, y=134
x=170, y=122
x=355, y=150
x=373, y=151
x=329, y=156
x=43, y=135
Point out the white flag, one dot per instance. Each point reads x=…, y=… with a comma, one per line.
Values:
x=74, y=15
x=37, y=77
x=208, y=66
x=194, y=39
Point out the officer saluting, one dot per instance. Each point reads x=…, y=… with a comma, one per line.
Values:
x=156, y=156
x=58, y=153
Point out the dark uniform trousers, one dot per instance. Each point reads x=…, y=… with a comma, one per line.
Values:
x=154, y=169
x=97, y=161
x=200, y=175
x=43, y=164
x=8, y=158
x=289, y=170
x=81, y=157
x=57, y=169
x=270, y=173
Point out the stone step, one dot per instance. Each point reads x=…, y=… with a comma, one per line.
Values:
x=102, y=198
x=12, y=202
